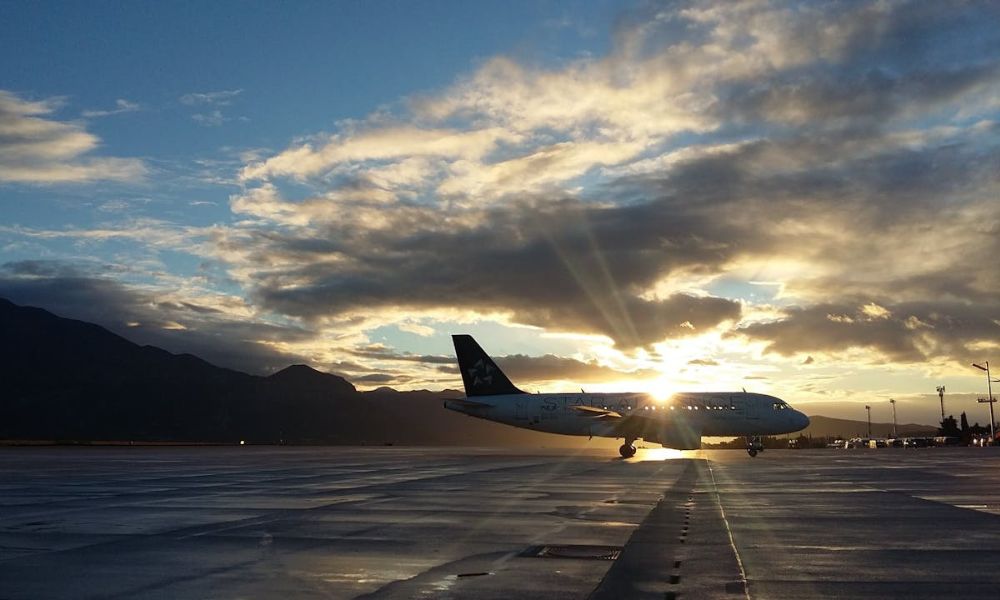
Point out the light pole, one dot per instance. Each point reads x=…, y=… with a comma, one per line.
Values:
x=869, y=409
x=940, y=390
x=990, y=399
x=893, y=403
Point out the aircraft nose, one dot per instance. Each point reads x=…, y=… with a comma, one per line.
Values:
x=801, y=421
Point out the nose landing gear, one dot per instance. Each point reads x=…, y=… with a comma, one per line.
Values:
x=754, y=445
x=627, y=449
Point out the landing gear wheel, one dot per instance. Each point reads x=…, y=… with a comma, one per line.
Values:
x=627, y=450
x=754, y=445
x=751, y=452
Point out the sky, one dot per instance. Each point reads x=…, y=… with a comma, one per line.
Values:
x=795, y=198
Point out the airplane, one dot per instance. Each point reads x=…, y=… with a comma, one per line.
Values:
x=679, y=423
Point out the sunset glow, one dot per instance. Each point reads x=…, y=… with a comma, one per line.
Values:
x=796, y=199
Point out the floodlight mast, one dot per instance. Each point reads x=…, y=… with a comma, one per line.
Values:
x=893, y=403
x=990, y=399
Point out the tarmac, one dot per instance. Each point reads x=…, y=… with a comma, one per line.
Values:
x=392, y=523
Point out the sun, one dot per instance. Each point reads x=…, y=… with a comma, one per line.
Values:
x=660, y=389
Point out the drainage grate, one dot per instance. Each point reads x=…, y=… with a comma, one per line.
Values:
x=582, y=552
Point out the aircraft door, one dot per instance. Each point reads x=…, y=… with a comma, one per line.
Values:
x=751, y=408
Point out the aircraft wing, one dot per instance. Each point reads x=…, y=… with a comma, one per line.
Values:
x=660, y=429
x=598, y=413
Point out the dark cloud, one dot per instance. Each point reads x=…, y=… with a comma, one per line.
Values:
x=379, y=352
x=184, y=327
x=870, y=98
x=707, y=362
x=873, y=63
x=518, y=367
x=383, y=378
x=550, y=367
x=835, y=200
x=904, y=332
x=565, y=266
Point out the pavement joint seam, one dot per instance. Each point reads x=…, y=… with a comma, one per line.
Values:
x=729, y=533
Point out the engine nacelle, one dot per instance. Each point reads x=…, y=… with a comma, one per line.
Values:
x=677, y=435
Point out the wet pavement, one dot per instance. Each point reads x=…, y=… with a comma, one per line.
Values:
x=886, y=523
x=261, y=522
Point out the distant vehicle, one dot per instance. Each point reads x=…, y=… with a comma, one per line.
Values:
x=678, y=423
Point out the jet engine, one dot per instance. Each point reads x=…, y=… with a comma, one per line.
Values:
x=679, y=436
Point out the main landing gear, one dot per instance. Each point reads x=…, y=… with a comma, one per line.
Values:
x=754, y=445
x=627, y=449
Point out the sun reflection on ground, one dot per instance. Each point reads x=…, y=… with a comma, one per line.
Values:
x=659, y=454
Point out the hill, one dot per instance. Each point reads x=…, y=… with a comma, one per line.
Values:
x=820, y=426
x=62, y=379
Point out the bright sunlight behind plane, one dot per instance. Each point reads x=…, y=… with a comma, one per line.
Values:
x=679, y=423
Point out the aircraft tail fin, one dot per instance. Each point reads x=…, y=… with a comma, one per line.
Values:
x=481, y=376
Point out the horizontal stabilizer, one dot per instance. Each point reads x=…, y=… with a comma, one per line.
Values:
x=466, y=403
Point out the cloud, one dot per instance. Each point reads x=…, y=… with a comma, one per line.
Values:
x=121, y=106
x=218, y=98
x=380, y=378
x=531, y=369
x=211, y=101
x=383, y=353
x=212, y=119
x=874, y=96
x=38, y=150
x=520, y=368
x=705, y=362
x=844, y=153
x=567, y=197
x=153, y=233
x=215, y=328
x=905, y=332
x=380, y=144
x=570, y=267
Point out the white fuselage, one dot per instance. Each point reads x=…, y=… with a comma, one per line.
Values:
x=636, y=415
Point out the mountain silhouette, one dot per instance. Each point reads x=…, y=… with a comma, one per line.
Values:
x=68, y=380
x=847, y=428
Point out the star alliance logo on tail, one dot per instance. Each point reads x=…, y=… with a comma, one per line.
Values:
x=481, y=373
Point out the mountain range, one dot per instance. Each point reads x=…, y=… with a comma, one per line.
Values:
x=829, y=427
x=63, y=379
